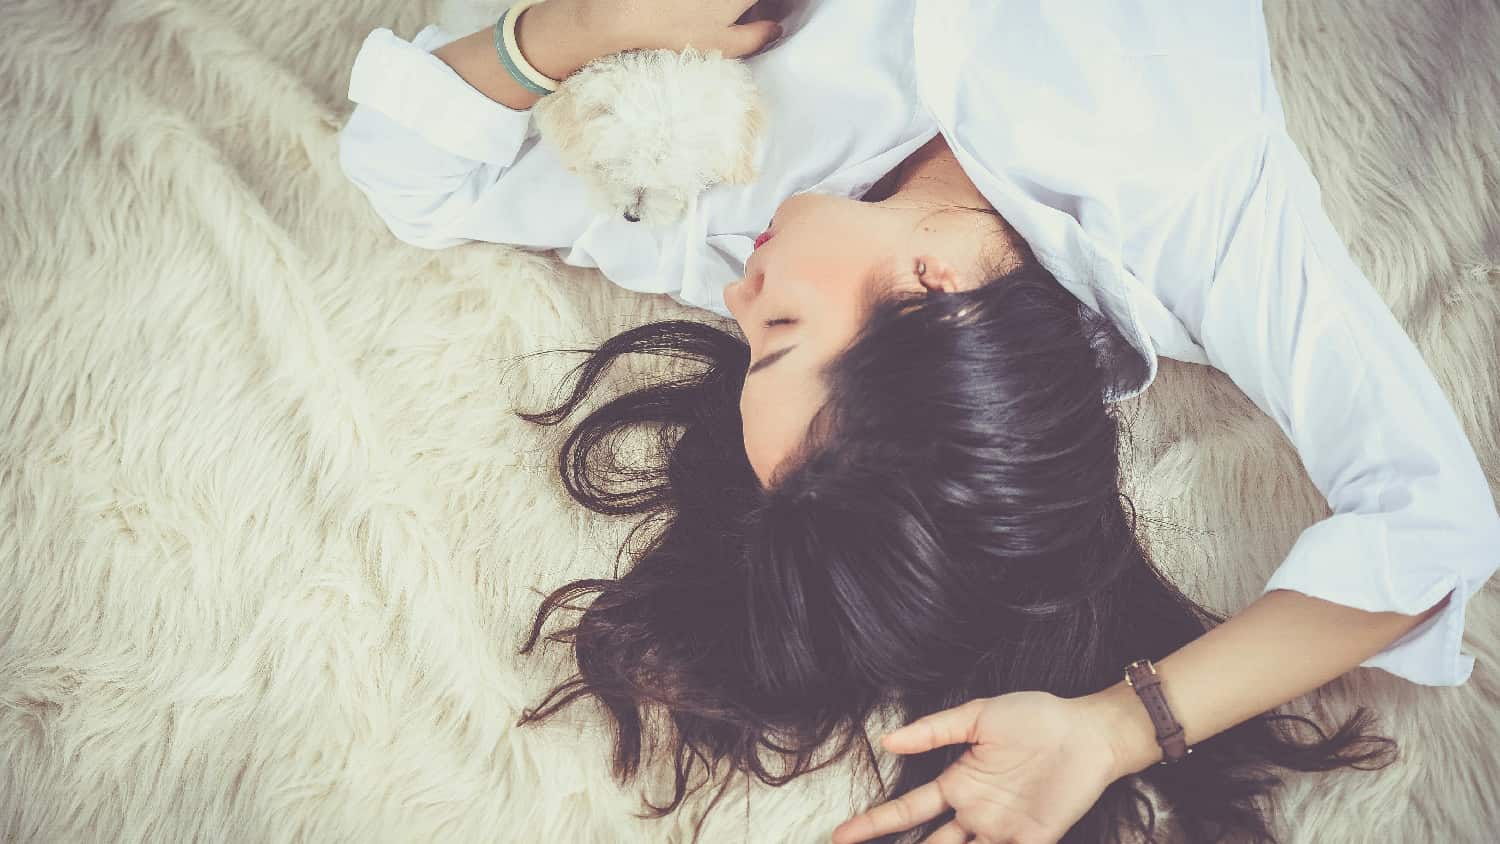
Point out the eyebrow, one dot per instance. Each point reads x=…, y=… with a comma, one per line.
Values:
x=769, y=359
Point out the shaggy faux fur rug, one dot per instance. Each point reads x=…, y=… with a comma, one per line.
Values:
x=270, y=535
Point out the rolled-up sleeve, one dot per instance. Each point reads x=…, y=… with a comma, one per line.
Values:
x=425, y=146
x=1300, y=329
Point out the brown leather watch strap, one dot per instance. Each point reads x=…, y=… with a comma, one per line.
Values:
x=1141, y=675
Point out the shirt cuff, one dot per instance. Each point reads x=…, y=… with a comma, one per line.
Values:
x=419, y=91
x=1345, y=559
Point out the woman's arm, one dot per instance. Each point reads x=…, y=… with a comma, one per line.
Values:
x=1037, y=762
x=560, y=36
x=1297, y=326
x=437, y=140
x=1282, y=646
x=552, y=35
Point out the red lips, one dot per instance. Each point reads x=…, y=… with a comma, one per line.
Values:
x=760, y=241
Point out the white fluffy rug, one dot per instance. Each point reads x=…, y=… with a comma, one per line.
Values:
x=270, y=535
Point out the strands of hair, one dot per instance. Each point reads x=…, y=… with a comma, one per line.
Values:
x=953, y=529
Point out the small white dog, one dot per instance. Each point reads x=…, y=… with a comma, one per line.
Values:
x=647, y=130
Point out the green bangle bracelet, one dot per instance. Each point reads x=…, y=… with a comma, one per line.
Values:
x=509, y=63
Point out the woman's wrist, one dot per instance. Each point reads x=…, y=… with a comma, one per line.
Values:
x=1255, y=661
x=1130, y=732
x=551, y=37
x=560, y=36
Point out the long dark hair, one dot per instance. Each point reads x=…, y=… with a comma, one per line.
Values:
x=953, y=529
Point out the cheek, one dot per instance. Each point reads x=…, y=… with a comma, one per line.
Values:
x=824, y=242
x=753, y=431
x=830, y=269
x=818, y=216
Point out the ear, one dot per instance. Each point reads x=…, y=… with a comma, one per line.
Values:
x=940, y=276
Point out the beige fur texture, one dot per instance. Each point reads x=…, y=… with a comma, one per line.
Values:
x=270, y=535
x=613, y=124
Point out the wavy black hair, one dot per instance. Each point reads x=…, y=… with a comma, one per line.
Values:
x=954, y=528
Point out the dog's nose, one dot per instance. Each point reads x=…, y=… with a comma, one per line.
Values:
x=632, y=214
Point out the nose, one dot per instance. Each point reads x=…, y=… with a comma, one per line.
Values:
x=739, y=293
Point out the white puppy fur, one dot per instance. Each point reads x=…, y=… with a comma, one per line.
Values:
x=647, y=130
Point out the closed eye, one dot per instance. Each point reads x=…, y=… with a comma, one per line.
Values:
x=781, y=321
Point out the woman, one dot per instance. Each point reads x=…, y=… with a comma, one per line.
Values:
x=986, y=221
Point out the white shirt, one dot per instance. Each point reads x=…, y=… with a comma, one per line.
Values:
x=1141, y=151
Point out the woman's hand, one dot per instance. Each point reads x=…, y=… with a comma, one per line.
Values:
x=1037, y=763
x=676, y=24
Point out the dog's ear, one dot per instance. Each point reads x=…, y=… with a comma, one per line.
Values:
x=744, y=172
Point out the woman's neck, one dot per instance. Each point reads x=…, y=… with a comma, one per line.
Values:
x=933, y=174
x=931, y=178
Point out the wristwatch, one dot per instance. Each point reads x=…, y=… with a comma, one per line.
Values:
x=1142, y=676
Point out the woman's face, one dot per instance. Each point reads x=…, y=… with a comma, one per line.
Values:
x=815, y=279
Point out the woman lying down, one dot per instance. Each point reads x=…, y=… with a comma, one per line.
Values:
x=974, y=228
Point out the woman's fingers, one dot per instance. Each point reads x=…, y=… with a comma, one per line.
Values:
x=951, y=726
x=745, y=39
x=916, y=806
x=948, y=833
x=765, y=10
